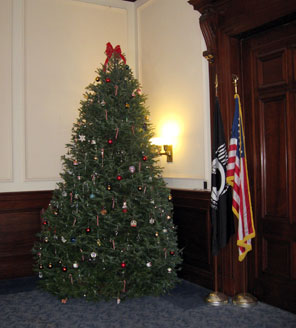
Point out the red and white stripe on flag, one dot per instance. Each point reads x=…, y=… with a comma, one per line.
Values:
x=237, y=177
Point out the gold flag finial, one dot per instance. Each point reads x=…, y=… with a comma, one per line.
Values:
x=234, y=81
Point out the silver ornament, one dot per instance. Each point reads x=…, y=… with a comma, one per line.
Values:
x=75, y=265
x=149, y=264
x=93, y=254
x=132, y=169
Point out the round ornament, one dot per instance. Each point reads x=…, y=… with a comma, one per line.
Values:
x=109, y=187
x=97, y=78
x=164, y=230
x=169, y=270
x=79, y=177
x=123, y=265
x=75, y=265
x=49, y=265
x=44, y=222
x=140, y=188
x=88, y=230
x=108, y=80
x=170, y=197
x=40, y=266
x=133, y=223
x=110, y=141
x=172, y=253
x=73, y=240
x=46, y=239
x=127, y=105
x=91, y=196
x=95, y=158
x=144, y=158
x=156, y=234
x=93, y=255
x=132, y=169
x=151, y=221
x=40, y=275
x=169, y=217
x=119, y=177
x=103, y=211
x=64, y=269
x=149, y=264
x=75, y=162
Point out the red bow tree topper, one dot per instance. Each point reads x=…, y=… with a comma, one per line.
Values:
x=109, y=52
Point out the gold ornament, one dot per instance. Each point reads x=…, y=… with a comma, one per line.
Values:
x=103, y=211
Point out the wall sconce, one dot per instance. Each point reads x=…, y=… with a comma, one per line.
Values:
x=167, y=150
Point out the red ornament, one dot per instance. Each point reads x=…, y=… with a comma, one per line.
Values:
x=123, y=265
x=64, y=269
x=172, y=252
x=45, y=222
x=144, y=158
x=119, y=177
x=124, y=210
x=87, y=230
x=108, y=80
x=110, y=141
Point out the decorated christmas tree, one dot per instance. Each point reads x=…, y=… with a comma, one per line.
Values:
x=108, y=231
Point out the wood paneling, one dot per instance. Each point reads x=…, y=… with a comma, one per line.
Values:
x=19, y=223
x=256, y=41
x=192, y=217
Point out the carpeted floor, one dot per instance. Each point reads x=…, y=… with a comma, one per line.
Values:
x=22, y=305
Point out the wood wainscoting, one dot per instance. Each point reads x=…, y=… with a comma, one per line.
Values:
x=19, y=223
x=192, y=217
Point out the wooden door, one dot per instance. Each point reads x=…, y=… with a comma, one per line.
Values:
x=269, y=103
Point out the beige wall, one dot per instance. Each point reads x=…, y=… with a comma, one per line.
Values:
x=5, y=91
x=51, y=49
x=174, y=75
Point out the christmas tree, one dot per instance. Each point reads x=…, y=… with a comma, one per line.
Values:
x=108, y=230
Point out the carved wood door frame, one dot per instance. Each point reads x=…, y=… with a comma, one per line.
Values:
x=225, y=24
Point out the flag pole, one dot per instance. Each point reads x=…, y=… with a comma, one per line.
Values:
x=216, y=298
x=243, y=299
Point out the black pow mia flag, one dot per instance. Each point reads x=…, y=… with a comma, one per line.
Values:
x=221, y=198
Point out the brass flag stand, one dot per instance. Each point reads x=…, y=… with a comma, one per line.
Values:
x=216, y=298
x=243, y=299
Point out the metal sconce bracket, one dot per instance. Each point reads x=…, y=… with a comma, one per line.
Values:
x=168, y=151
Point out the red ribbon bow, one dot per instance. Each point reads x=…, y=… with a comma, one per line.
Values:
x=109, y=52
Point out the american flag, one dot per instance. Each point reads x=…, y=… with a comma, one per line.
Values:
x=237, y=177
